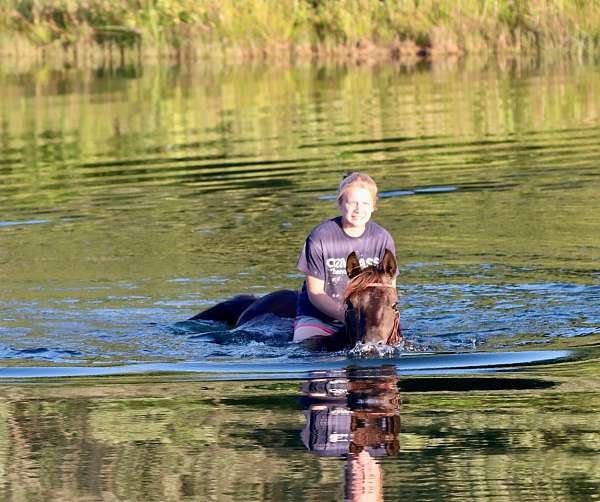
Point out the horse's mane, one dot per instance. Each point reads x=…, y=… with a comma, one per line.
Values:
x=360, y=282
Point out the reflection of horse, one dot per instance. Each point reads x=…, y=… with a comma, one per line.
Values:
x=356, y=412
x=371, y=314
x=357, y=417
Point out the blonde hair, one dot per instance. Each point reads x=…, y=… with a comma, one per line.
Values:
x=357, y=179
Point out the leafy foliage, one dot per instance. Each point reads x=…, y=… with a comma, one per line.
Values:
x=256, y=26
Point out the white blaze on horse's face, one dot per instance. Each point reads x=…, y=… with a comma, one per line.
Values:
x=356, y=205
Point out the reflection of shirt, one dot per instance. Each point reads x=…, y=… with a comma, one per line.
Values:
x=324, y=257
x=327, y=431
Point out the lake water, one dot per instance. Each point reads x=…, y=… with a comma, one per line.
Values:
x=131, y=199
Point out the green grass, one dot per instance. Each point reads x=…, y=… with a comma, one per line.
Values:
x=249, y=28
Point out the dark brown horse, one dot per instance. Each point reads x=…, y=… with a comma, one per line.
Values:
x=370, y=297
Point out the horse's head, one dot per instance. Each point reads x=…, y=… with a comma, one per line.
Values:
x=371, y=297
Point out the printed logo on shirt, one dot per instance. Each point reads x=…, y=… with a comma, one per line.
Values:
x=337, y=266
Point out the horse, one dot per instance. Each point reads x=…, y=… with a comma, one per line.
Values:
x=370, y=298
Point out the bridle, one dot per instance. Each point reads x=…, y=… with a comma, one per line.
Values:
x=394, y=337
x=379, y=285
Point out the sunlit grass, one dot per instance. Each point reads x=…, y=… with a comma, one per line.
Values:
x=192, y=29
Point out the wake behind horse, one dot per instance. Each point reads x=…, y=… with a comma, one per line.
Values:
x=371, y=313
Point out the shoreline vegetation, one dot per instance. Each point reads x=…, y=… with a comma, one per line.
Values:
x=94, y=32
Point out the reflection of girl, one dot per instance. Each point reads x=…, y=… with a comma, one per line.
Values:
x=320, y=310
x=357, y=417
x=364, y=481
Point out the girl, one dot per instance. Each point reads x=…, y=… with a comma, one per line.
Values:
x=320, y=310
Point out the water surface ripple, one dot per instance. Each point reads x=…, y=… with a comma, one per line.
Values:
x=129, y=204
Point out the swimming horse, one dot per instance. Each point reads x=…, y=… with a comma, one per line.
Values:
x=371, y=311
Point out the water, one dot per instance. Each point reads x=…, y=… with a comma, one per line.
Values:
x=132, y=199
x=505, y=438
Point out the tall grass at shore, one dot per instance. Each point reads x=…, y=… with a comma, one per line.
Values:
x=254, y=28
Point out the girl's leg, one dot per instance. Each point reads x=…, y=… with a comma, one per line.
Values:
x=308, y=327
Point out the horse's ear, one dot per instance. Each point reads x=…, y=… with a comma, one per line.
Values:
x=389, y=264
x=352, y=265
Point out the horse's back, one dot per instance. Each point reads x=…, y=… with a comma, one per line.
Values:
x=281, y=303
x=228, y=311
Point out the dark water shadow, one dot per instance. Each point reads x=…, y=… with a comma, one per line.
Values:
x=333, y=388
x=465, y=384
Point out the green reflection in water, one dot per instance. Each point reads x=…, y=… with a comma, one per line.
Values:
x=207, y=162
x=161, y=440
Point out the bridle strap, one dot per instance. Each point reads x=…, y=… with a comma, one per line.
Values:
x=395, y=335
x=380, y=285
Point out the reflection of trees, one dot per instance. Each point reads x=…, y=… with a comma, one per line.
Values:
x=156, y=139
x=240, y=441
x=494, y=445
x=153, y=448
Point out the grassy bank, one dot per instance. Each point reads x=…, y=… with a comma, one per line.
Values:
x=192, y=29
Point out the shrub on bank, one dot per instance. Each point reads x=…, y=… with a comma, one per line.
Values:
x=193, y=28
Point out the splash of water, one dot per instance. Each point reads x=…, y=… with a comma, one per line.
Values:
x=370, y=350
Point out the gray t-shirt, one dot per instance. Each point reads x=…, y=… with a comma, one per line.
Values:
x=324, y=257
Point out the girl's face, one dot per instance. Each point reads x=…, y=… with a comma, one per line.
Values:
x=356, y=205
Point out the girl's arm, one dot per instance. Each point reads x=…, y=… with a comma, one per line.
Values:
x=316, y=293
